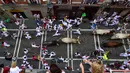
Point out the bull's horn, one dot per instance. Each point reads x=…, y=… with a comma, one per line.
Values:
x=78, y=40
x=59, y=39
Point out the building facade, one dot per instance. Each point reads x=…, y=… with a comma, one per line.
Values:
x=27, y=8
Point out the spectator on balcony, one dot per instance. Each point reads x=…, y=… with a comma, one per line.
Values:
x=34, y=1
x=90, y=1
x=128, y=3
x=8, y=1
x=59, y=1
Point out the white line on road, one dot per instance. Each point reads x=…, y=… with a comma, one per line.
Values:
x=72, y=63
x=68, y=48
x=41, y=49
x=128, y=41
x=95, y=42
x=98, y=41
x=123, y=43
x=75, y=59
x=62, y=30
x=19, y=43
x=16, y=44
x=45, y=36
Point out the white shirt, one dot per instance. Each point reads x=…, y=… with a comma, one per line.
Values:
x=15, y=70
x=38, y=15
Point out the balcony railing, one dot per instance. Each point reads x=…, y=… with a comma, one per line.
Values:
x=34, y=2
x=58, y=2
x=120, y=71
x=21, y=1
x=8, y=2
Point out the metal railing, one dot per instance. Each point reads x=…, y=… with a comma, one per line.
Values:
x=119, y=71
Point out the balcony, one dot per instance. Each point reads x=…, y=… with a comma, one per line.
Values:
x=76, y=1
x=21, y=2
x=34, y=2
x=8, y=2
x=61, y=2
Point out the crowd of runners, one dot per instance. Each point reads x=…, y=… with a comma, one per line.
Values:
x=48, y=24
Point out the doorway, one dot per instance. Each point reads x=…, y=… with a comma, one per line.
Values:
x=19, y=14
x=37, y=12
x=90, y=12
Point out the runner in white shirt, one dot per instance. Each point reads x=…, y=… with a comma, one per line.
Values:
x=38, y=34
x=5, y=34
x=14, y=36
x=77, y=31
x=29, y=66
x=34, y=45
x=68, y=21
x=95, y=21
x=124, y=54
x=57, y=33
x=6, y=44
x=55, y=27
x=35, y=16
x=115, y=13
x=60, y=27
x=25, y=51
x=25, y=57
x=75, y=21
x=78, y=22
x=27, y=35
x=17, y=22
x=52, y=54
x=38, y=16
x=15, y=15
x=50, y=21
x=22, y=26
x=65, y=23
x=38, y=29
x=2, y=24
x=68, y=26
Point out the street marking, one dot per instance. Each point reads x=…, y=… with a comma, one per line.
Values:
x=99, y=45
x=63, y=30
x=98, y=41
x=41, y=49
x=45, y=38
x=19, y=43
x=16, y=43
x=75, y=59
x=95, y=42
x=124, y=44
x=128, y=41
x=71, y=52
x=68, y=49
